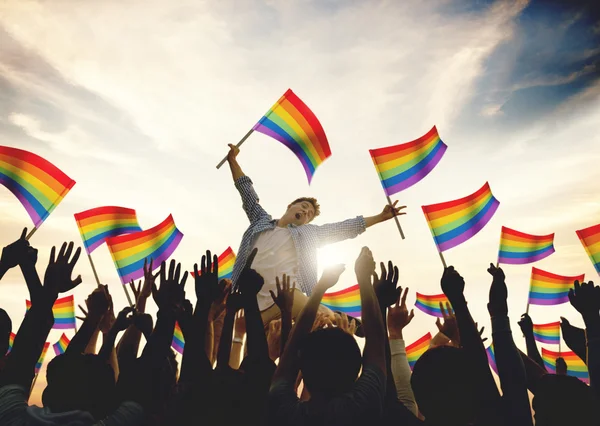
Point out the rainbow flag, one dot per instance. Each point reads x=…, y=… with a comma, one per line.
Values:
x=518, y=248
x=293, y=124
x=346, y=300
x=550, y=289
x=38, y=365
x=431, y=304
x=590, y=238
x=401, y=166
x=64, y=312
x=547, y=333
x=492, y=357
x=416, y=349
x=38, y=184
x=61, y=346
x=11, y=341
x=129, y=251
x=454, y=222
x=575, y=365
x=178, y=342
x=96, y=225
x=226, y=261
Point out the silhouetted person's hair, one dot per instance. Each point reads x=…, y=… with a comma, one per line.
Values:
x=443, y=387
x=310, y=200
x=330, y=361
x=5, y=329
x=564, y=400
x=80, y=382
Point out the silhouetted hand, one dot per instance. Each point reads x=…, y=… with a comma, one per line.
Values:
x=60, y=268
x=341, y=321
x=218, y=305
x=123, y=320
x=398, y=316
x=483, y=339
x=526, y=325
x=330, y=277
x=574, y=337
x=389, y=212
x=285, y=294
x=98, y=303
x=144, y=291
x=450, y=327
x=250, y=281
x=207, y=280
x=497, y=305
x=561, y=366
x=453, y=286
x=386, y=286
x=364, y=267
x=14, y=254
x=585, y=297
x=171, y=294
x=235, y=302
x=144, y=323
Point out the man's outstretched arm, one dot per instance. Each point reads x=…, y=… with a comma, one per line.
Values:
x=250, y=201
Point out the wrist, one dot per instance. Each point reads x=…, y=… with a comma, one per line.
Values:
x=396, y=334
x=237, y=340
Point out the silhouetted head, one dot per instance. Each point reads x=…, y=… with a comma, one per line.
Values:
x=302, y=211
x=443, y=386
x=80, y=382
x=561, y=366
x=564, y=400
x=5, y=329
x=330, y=361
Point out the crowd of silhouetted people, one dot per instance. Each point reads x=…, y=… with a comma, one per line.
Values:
x=295, y=370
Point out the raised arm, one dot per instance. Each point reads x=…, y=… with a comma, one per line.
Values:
x=14, y=254
x=508, y=360
x=250, y=201
x=388, y=212
x=488, y=397
x=30, y=339
x=372, y=322
x=585, y=297
x=288, y=367
x=97, y=305
x=285, y=302
x=574, y=338
x=532, y=350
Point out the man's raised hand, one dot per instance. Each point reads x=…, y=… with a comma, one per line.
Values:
x=526, y=325
x=330, y=277
x=171, y=294
x=386, y=286
x=585, y=297
x=14, y=254
x=58, y=277
x=497, y=305
x=389, y=211
x=449, y=327
x=206, y=280
x=453, y=286
x=398, y=316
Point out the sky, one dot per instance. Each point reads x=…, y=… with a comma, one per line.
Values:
x=138, y=100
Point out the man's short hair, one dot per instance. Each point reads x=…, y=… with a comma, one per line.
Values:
x=311, y=200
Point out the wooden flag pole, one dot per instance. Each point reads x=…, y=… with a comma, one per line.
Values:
x=527, y=309
x=33, y=384
x=442, y=259
x=94, y=270
x=238, y=145
x=31, y=233
x=127, y=295
x=395, y=217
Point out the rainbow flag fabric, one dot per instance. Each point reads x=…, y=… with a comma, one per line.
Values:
x=547, y=333
x=431, y=304
x=96, y=225
x=401, y=166
x=226, y=261
x=492, y=357
x=130, y=250
x=38, y=184
x=454, y=222
x=61, y=346
x=293, y=124
x=590, y=238
x=416, y=349
x=518, y=248
x=575, y=365
x=64, y=312
x=550, y=289
x=346, y=301
x=38, y=365
x=178, y=342
x=11, y=341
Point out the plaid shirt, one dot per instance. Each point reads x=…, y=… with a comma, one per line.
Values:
x=307, y=238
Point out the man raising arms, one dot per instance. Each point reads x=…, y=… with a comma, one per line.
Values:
x=288, y=245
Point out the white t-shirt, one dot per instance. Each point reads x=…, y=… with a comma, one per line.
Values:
x=276, y=256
